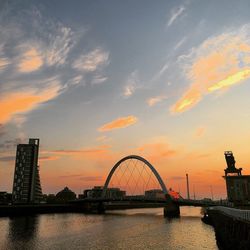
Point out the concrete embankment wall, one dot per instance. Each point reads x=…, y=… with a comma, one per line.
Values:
x=17, y=210
x=231, y=233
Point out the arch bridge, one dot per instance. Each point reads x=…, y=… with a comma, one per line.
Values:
x=145, y=163
x=136, y=167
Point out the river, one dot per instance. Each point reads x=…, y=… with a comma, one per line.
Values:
x=127, y=229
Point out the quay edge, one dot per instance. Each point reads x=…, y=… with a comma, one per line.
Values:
x=232, y=231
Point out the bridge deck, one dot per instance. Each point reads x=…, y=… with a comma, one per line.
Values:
x=157, y=202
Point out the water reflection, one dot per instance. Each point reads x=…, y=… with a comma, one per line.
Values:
x=22, y=232
x=127, y=229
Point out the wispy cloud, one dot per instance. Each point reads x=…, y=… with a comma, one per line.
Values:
x=177, y=178
x=30, y=61
x=156, y=99
x=96, y=152
x=219, y=63
x=4, y=62
x=26, y=100
x=131, y=85
x=7, y=158
x=41, y=47
x=60, y=46
x=91, y=178
x=161, y=72
x=180, y=43
x=118, y=123
x=156, y=150
x=175, y=13
x=70, y=176
x=92, y=61
x=79, y=152
x=48, y=158
x=103, y=138
x=76, y=80
x=99, y=79
x=10, y=144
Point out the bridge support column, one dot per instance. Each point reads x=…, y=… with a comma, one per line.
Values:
x=172, y=210
x=100, y=208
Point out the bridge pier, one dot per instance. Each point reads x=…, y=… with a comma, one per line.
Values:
x=100, y=208
x=172, y=210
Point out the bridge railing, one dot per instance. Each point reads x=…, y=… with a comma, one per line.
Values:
x=233, y=212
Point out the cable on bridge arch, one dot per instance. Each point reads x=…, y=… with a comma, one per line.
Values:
x=150, y=166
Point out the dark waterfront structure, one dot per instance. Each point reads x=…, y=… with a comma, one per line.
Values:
x=26, y=184
x=232, y=227
x=238, y=185
x=5, y=197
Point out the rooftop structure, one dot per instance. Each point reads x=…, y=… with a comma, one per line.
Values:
x=238, y=185
x=231, y=169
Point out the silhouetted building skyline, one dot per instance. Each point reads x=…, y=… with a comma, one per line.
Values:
x=26, y=184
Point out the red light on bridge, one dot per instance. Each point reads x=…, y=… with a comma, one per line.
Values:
x=173, y=194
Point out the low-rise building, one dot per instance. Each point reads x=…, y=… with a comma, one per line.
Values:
x=154, y=194
x=111, y=193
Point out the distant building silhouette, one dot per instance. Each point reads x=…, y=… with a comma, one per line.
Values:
x=96, y=192
x=154, y=194
x=65, y=195
x=26, y=184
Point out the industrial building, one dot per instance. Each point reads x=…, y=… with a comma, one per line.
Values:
x=26, y=184
x=238, y=185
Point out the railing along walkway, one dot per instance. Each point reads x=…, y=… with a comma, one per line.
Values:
x=233, y=212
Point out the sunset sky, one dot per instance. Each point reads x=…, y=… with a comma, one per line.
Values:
x=100, y=80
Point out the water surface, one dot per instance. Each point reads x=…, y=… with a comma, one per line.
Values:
x=127, y=229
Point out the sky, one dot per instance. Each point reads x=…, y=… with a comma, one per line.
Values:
x=99, y=80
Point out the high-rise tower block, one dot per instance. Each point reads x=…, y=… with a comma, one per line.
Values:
x=26, y=184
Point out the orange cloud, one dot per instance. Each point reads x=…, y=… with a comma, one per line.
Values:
x=95, y=152
x=230, y=80
x=156, y=151
x=30, y=61
x=154, y=100
x=48, y=158
x=219, y=63
x=25, y=101
x=121, y=122
x=80, y=152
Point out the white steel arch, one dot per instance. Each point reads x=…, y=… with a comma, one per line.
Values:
x=158, y=177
